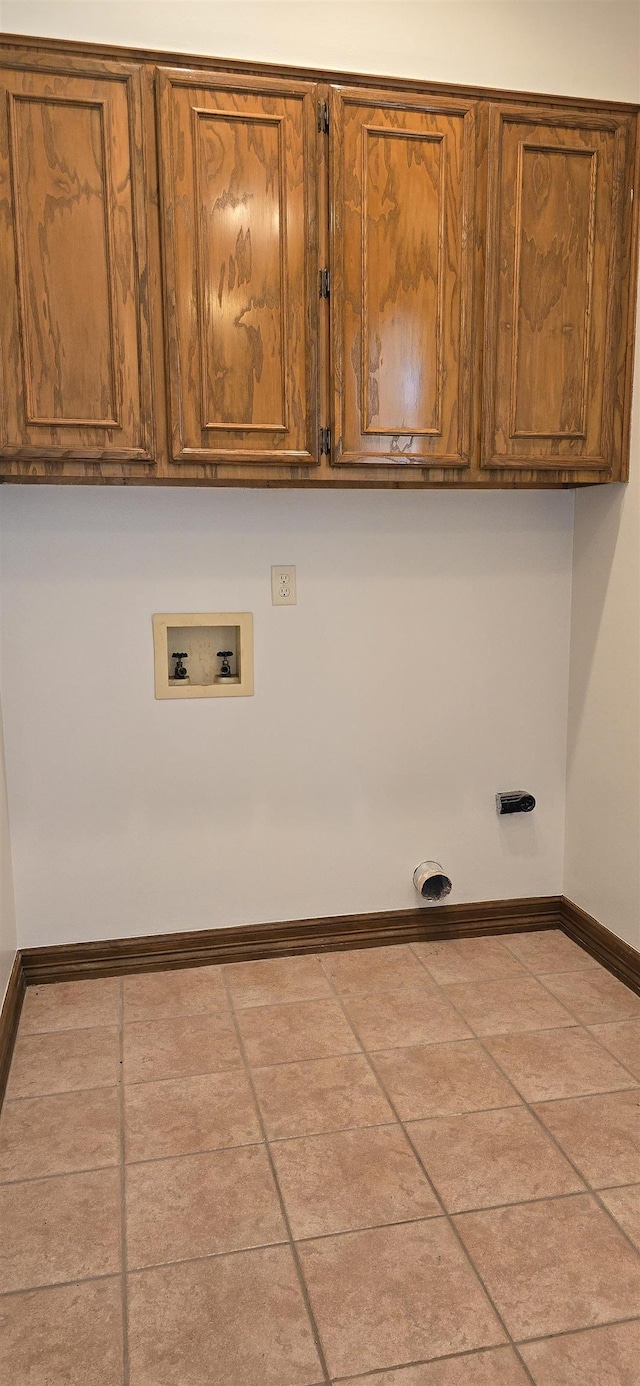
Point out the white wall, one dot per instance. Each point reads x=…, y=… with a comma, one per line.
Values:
x=8, y=941
x=602, y=865
x=542, y=45
x=425, y=666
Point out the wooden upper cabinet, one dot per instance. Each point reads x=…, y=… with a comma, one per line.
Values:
x=237, y=162
x=332, y=281
x=557, y=290
x=74, y=338
x=402, y=189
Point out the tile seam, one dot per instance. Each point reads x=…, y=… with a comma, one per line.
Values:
x=61, y=1284
x=473, y=1352
x=589, y=1189
x=343, y=1001
x=61, y=1092
x=315, y=1332
x=468, y=1258
x=573, y=1332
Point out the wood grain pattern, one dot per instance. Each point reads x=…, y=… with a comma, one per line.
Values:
x=73, y=319
x=112, y=957
x=403, y=291
x=9, y=1019
x=610, y=950
x=239, y=218
x=552, y=318
x=553, y=291
x=627, y=295
x=402, y=279
x=69, y=355
x=87, y=75
x=242, y=327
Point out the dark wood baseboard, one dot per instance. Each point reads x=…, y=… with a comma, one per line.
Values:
x=115, y=957
x=9, y=1018
x=614, y=954
x=201, y=947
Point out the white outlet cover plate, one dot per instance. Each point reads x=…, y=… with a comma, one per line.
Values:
x=283, y=584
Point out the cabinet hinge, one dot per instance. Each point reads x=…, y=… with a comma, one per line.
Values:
x=323, y=117
x=325, y=283
x=325, y=442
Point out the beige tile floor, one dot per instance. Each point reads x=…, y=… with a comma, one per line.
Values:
x=411, y=1166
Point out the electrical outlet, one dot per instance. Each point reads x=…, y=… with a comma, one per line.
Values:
x=283, y=584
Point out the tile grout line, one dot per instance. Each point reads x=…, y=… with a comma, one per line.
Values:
x=479, y=1039
x=331, y=1001
x=149, y=1160
x=604, y=1025
x=589, y=1190
x=571, y=1332
x=422, y=1362
x=123, y=1206
x=285, y=1217
x=261, y=1005
x=373, y=1371
x=448, y=1217
x=418, y=1362
x=312, y=1236
x=60, y=1284
x=588, y=972
x=429, y=1217
x=634, y=1082
x=439, y=1215
x=555, y=1029
x=207, y=1256
x=442, y=1212
x=581, y=1023
x=327, y=997
x=333, y=1235
x=210, y=1010
x=62, y=1092
x=68, y=1029
x=58, y=1174
x=595, y=1193
x=535, y=976
x=338, y=1054
x=474, y=1352
x=614, y=1188
x=577, y=1024
x=222, y=1008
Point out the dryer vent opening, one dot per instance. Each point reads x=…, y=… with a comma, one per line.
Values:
x=430, y=882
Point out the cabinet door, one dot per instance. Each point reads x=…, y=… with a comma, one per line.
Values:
x=74, y=346
x=402, y=187
x=552, y=319
x=241, y=270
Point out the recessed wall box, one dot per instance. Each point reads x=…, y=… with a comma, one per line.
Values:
x=206, y=655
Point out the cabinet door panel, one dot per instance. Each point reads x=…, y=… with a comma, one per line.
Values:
x=553, y=248
x=239, y=219
x=402, y=176
x=75, y=352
